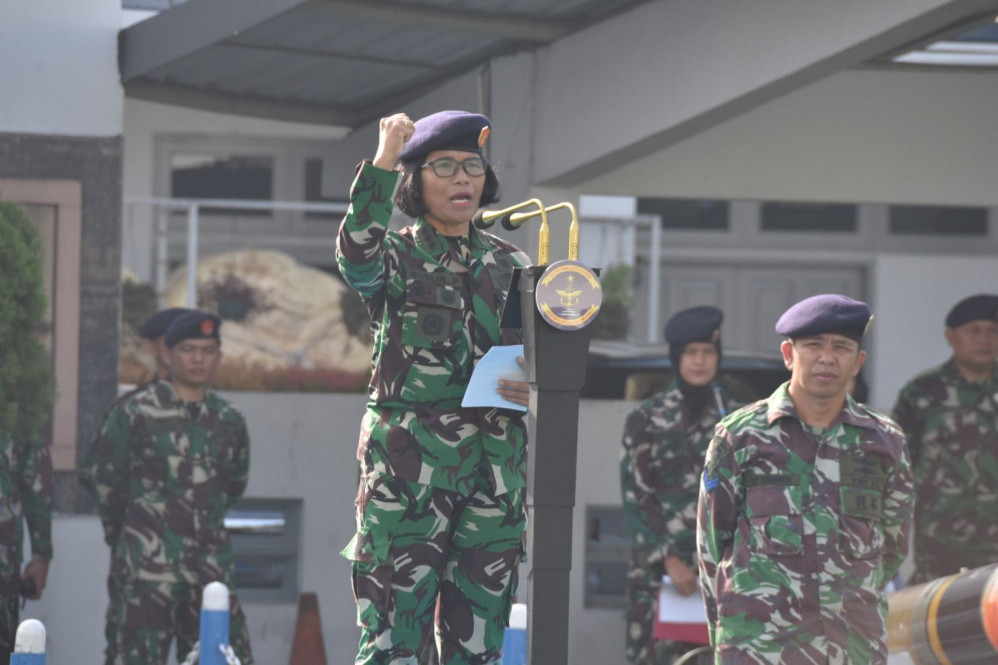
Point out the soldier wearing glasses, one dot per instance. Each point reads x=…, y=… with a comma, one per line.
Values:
x=440, y=511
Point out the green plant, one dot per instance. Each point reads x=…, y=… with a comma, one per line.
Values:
x=613, y=321
x=26, y=382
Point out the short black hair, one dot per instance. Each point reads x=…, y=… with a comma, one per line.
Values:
x=409, y=195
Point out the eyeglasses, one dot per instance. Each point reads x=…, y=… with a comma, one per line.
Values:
x=445, y=167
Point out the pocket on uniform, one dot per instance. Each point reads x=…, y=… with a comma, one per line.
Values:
x=432, y=313
x=777, y=527
x=860, y=538
x=860, y=535
x=371, y=576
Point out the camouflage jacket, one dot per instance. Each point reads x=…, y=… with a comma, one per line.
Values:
x=952, y=429
x=166, y=472
x=25, y=496
x=435, y=303
x=798, y=531
x=660, y=467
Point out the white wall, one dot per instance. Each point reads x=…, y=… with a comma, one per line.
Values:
x=60, y=67
x=857, y=136
x=911, y=297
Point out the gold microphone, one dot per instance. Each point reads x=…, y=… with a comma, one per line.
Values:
x=484, y=219
x=514, y=221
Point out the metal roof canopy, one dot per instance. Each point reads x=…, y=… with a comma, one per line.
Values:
x=337, y=62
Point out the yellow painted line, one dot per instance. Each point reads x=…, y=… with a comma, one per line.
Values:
x=931, y=619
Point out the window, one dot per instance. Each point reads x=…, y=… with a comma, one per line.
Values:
x=265, y=542
x=938, y=220
x=223, y=176
x=313, y=191
x=607, y=552
x=687, y=214
x=808, y=217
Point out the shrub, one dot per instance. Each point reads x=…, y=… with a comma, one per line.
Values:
x=26, y=382
x=255, y=378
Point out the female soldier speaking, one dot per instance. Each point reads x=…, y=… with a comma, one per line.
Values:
x=440, y=511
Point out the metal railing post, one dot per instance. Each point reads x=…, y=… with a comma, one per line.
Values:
x=192, y=256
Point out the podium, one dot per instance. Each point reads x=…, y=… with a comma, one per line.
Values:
x=556, y=346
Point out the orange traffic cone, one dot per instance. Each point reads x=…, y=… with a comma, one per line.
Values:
x=307, y=647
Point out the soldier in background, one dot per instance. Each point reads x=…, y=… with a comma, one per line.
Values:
x=665, y=440
x=805, y=505
x=440, y=508
x=152, y=331
x=25, y=496
x=169, y=462
x=950, y=416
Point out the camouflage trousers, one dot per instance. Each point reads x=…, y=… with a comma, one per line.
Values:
x=9, y=615
x=144, y=617
x=643, y=585
x=426, y=558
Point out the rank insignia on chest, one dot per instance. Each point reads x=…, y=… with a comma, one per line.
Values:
x=861, y=472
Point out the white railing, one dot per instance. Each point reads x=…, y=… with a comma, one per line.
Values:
x=192, y=207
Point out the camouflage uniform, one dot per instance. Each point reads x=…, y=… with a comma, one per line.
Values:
x=25, y=495
x=663, y=453
x=799, y=530
x=952, y=429
x=166, y=472
x=435, y=303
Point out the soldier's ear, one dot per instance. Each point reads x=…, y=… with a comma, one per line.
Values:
x=787, y=351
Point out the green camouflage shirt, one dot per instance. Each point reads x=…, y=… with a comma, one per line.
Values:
x=166, y=472
x=25, y=496
x=660, y=467
x=435, y=303
x=952, y=429
x=799, y=530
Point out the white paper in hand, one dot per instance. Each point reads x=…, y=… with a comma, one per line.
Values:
x=498, y=363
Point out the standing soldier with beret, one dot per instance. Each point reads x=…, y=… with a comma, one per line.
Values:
x=665, y=440
x=950, y=416
x=805, y=505
x=440, y=511
x=169, y=462
x=152, y=331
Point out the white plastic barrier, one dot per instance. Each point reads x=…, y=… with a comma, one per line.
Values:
x=29, y=644
x=213, y=646
x=514, y=645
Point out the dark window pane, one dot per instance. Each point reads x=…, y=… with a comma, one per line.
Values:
x=243, y=177
x=313, y=191
x=820, y=217
x=687, y=214
x=939, y=220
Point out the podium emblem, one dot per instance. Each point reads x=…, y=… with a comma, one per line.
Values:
x=568, y=295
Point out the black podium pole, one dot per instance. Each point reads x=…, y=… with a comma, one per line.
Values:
x=556, y=369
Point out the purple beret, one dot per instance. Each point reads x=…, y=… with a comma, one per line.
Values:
x=447, y=130
x=193, y=325
x=696, y=324
x=983, y=307
x=157, y=324
x=827, y=313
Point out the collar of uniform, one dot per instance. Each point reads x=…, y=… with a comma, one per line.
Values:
x=779, y=405
x=950, y=371
x=167, y=396
x=435, y=243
